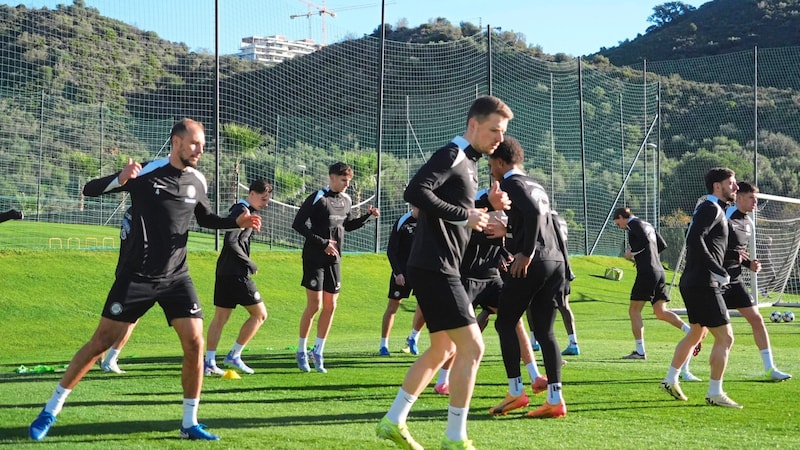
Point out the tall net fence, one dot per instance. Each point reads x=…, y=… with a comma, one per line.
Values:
x=597, y=137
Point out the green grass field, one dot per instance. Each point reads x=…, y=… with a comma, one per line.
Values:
x=51, y=300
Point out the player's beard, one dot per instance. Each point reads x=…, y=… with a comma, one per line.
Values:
x=189, y=163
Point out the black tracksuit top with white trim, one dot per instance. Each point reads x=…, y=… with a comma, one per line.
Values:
x=741, y=228
x=400, y=240
x=329, y=216
x=646, y=244
x=706, y=243
x=234, y=258
x=444, y=191
x=164, y=199
x=530, y=221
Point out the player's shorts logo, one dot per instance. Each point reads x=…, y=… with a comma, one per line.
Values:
x=396, y=293
x=338, y=286
x=115, y=309
x=313, y=283
x=257, y=295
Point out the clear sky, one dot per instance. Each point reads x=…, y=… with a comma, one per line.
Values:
x=575, y=27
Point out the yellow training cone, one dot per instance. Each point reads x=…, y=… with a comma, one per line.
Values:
x=231, y=375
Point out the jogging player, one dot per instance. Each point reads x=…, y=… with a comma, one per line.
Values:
x=165, y=194
x=234, y=286
x=703, y=278
x=322, y=220
x=444, y=190
x=737, y=258
x=397, y=251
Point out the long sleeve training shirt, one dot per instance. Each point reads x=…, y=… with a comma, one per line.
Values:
x=164, y=199
x=706, y=243
x=400, y=239
x=234, y=258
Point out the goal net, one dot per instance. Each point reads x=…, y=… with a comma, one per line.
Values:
x=775, y=243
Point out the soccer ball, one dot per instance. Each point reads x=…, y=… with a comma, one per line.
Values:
x=776, y=316
x=788, y=316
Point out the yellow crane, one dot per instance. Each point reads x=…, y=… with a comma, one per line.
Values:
x=314, y=9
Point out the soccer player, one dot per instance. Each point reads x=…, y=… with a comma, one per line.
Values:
x=397, y=251
x=703, y=278
x=11, y=214
x=536, y=277
x=650, y=284
x=322, y=220
x=233, y=285
x=444, y=190
x=736, y=258
x=165, y=194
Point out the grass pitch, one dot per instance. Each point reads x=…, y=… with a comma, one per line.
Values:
x=51, y=300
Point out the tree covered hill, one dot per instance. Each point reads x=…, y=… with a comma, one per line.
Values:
x=716, y=27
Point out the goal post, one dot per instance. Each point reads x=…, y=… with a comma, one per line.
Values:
x=775, y=242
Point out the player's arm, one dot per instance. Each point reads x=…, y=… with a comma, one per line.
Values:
x=304, y=215
x=351, y=223
x=113, y=183
x=393, y=250
x=420, y=190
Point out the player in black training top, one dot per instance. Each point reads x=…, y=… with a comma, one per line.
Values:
x=323, y=219
x=737, y=258
x=536, y=275
x=651, y=281
x=701, y=283
x=165, y=194
x=233, y=285
x=397, y=251
x=444, y=190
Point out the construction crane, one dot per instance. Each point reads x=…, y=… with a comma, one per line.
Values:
x=321, y=11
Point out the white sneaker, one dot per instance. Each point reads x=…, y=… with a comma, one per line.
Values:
x=689, y=376
x=722, y=400
x=210, y=368
x=111, y=366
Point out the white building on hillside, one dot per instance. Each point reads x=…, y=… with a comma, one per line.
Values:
x=274, y=49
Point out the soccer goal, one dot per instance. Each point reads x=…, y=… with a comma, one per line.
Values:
x=775, y=243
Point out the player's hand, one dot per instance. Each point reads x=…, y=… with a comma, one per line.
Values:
x=755, y=265
x=496, y=228
x=130, y=171
x=498, y=199
x=374, y=211
x=477, y=219
x=723, y=280
x=628, y=254
x=400, y=279
x=519, y=267
x=247, y=220
x=331, y=250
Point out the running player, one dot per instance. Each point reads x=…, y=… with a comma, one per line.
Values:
x=11, y=214
x=736, y=258
x=397, y=251
x=322, y=220
x=234, y=286
x=444, y=190
x=165, y=194
x=701, y=283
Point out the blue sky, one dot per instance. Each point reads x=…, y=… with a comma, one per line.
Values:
x=575, y=27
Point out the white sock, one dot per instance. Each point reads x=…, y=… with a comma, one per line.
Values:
x=766, y=358
x=414, y=335
x=444, y=376
x=554, y=393
x=533, y=370
x=111, y=356
x=533, y=339
x=515, y=386
x=640, y=346
x=398, y=413
x=319, y=346
x=456, y=423
x=236, y=351
x=685, y=367
x=385, y=342
x=190, y=406
x=56, y=402
x=302, y=345
x=573, y=339
x=685, y=328
x=672, y=375
x=211, y=356
x=714, y=387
